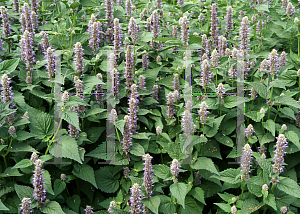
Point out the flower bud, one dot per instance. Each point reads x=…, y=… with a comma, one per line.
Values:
x=283, y=127
x=65, y=97
x=158, y=130
x=63, y=177
x=262, y=111
x=233, y=209
x=265, y=187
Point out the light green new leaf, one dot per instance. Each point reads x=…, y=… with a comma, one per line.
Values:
x=9, y=65
x=179, y=191
x=71, y=117
x=270, y=126
x=152, y=203
x=223, y=206
x=230, y=101
x=270, y=200
x=289, y=186
x=52, y=207
x=86, y=173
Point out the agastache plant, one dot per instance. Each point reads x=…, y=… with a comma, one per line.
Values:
x=129, y=76
x=95, y=36
x=229, y=21
x=38, y=181
x=148, y=174
x=5, y=22
x=176, y=84
x=135, y=199
x=128, y=6
x=117, y=35
x=205, y=74
x=174, y=167
x=170, y=106
x=246, y=162
x=145, y=60
x=213, y=23
x=133, y=114
x=109, y=12
x=50, y=67
x=127, y=137
x=278, y=158
x=26, y=19
x=25, y=206
x=244, y=36
x=79, y=92
x=203, y=112
x=155, y=27
x=99, y=90
x=187, y=122
x=78, y=58
x=27, y=52
x=88, y=209
x=184, y=22
x=273, y=62
x=45, y=42
x=112, y=204
x=133, y=30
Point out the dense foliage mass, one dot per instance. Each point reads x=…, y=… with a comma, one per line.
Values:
x=174, y=152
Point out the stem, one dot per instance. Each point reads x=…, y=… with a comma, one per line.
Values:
x=68, y=191
x=117, y=134
x=298, y=43
x=290, y=41
x=265, y=209
x=203, y=147
x=277, y=112
x=242, y=190
x=5, y=163
x=270, y=99
x=272, y=188
x=82, y=124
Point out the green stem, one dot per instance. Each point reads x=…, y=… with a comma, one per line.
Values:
x=272, y=188
x=117, y=134
x=53, y=136
x=290, y=41
x=299, y=89
x=203, y=146
x=242, y=190
x=265, y=209
x=82, y=124
x=5, y=163
x=277, y=112
x=270, y=99
x=298, y=44
x=68, y=191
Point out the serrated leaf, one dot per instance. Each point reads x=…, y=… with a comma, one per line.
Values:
x=71, y=117
x=289, y=186
x=59, y=186
x=293, y=137
x=250, y=206
x=69, y=148
x=75, y=101
x=191, y=207
x=90, y=81
x=198, y=194
x=161, y=170
x=23, y=164
x=230, y=101
x=166, y=205
x=74, y=202
x=3, y=207
x=229, y=176
x=52, y=207
x=270, y=200
x=100, y=152
x=205, y=163
x=23, y=191
x=107, y=179
x=288, y=112
x=223, y=206
x=152, y=203
x=286, y=100
x=9, y=65
x=270, y=126
x=137, y=149
x=261, y=89
x=179, y=191
x=216, y=124
x=120, y=125
x=263, y=7
x=48, y=185
x=86, y=173
x=146, y=37
x=94, y=111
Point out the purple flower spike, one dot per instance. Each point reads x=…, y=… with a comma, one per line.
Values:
x=99, y=90
x=135, y=199
x=25, y=205
x=203, y=112
x=127, y=137
x=94, y=31
x=117, y=35
x=176, y=85
x=126, y=172
x=249, y=131
x=184, y=22
x=187, y=122
x=129, y=76
x=282, y=59
x=278, y=159
x=38, y=183
x=78, y=58
x=273, y=62
x=88, y=209
x=244, y=36
x=142, y=82
x=133, y=30
x=112, y=204
x=109, y=12
x=50, y=67
x=175, y=169
x=5, y=22
x=170, y=105
x=27, y=53
x=45, y=42
x=214, y=22
x=145, y=61
x=290, y=9
x=246, y=162
x=228, y=17
x=205, y=74
x=148, y=174
x=128, y=6
x=133, y=114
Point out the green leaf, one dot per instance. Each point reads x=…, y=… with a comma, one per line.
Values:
x=139, y=181
x=166, y=136
x=286, y=100
x=107, y=179
x=249, y=206
x=90, y=81
x=179, y=191
x=254, y=189
x=86, y=173
x=59, y=186
x=94, y=133
x=166, y=205
x=261, y=89
x=288, y=112
x=212, y=131
x=69, y=148
x=9, y=65
x=227, y=141
x=270, y=126
x=100, y=152
x=264, y=164
x=23, y=164
x=137, y=149
x=293, y=137
x=23, y=191
x=48, y=185
x=152, y=203
x=205, y=163
x=225, y=207
x=41, y=123
x=71, y=117
x=10, y=172
x=191, y=207
x=146, y=37
x=198, y=194
x=230, y=101
x=289, y=186
x=3, y=207
x=254, y=115
x=161, y=170
x=74, y=202
x=75, y=101
x=187, y=7
x=23, y=121
x=270, y=200
x=266, y=138
x=263, y=7
x=94, y=111
x=52, y=207
x=2, y=147
x=229, y=176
